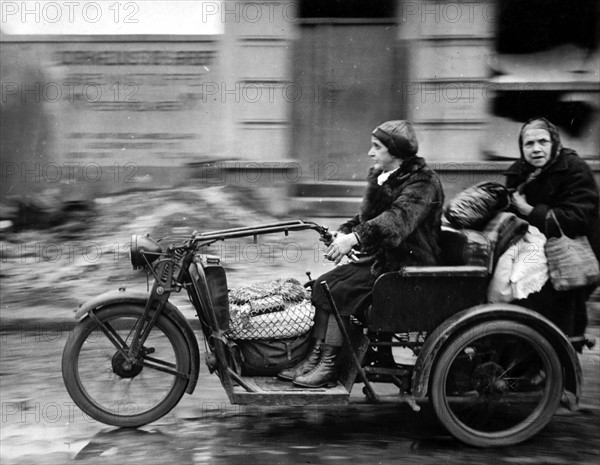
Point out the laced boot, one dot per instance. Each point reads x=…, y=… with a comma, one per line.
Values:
x=305, y=365
x=324, y=374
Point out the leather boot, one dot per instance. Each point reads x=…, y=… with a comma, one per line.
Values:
x=324, y=374
x=305, y=365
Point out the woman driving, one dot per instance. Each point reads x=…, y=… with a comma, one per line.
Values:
x=398, y=224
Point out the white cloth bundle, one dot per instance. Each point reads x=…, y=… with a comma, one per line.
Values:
x=521, y=270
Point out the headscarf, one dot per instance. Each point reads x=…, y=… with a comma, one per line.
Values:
x=528, y=171
x=399, y=137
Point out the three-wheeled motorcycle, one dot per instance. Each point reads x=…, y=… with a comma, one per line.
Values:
x=494, y=373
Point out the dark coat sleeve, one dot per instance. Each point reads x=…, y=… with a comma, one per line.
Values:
x=389, y=229
x=574, y=203
x=349, y=225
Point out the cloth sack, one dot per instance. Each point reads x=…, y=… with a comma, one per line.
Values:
x=476, y=205
x=521, y=270
x=571, y=262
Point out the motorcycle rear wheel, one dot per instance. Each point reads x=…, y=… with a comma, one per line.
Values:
x=114, y=392
x=496, y=384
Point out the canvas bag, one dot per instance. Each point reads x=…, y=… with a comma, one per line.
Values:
x=267, y=357
x=571, y=262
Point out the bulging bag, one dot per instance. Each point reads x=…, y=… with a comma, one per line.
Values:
x=267, y=357
x=476, y=205
x=571, y=262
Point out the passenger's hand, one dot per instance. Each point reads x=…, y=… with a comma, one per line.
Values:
x=340, y=247
x=520, y=203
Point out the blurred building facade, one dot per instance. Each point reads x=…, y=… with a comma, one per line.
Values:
x=284, y=95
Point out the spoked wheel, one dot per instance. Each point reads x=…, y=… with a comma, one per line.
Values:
x=121, y=392
x=496, y=384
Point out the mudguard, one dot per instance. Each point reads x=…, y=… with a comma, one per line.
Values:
x=489, y=312
x=170, y=311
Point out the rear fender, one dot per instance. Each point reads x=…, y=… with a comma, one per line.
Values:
x=170, y=311
x=488, y=312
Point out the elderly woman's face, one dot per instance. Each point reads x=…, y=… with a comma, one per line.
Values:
x=381, y=157
x=537, y=147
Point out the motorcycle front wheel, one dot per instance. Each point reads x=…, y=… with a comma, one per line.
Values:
x=496, y=384
x=115, y=391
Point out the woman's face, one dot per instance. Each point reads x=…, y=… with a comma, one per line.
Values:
x=537, y=147
x=381, y=157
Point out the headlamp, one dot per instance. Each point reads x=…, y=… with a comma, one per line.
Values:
x=143, y=250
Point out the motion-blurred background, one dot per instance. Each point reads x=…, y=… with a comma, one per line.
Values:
x=279, y=97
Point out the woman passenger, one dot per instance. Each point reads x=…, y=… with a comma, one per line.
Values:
x=549, y=177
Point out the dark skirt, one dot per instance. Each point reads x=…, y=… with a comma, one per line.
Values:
x=566, y=309
x=351, y=286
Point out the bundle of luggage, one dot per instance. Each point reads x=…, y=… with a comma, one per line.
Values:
x=269, y=325
x=475, y=206
x=519, y=264
x=274, y=310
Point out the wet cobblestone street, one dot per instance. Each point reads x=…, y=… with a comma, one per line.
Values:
x=41, y=425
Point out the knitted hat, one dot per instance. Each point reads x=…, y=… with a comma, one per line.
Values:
x=399, y=137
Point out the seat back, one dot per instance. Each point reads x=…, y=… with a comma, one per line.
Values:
x=421, y=298
x=465, y=247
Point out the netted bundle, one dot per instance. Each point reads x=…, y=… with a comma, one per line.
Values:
x=273, y=310
x=293, y=321
x=476, y=205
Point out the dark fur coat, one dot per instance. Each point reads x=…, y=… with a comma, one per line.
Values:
x=399, y=222
x=566, y=186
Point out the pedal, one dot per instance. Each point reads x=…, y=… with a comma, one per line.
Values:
x=211, y=362
x=410, y=400
x=571, y=404
x=585, y=340
x=589, y=341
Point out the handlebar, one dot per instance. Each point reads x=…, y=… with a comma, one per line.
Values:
x=248, y=231
x=150, y=253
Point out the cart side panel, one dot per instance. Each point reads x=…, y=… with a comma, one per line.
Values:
x=423, y=299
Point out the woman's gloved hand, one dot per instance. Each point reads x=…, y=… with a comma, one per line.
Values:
x=520, y=203
x=340, y=247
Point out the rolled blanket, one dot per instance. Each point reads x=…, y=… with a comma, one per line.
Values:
x=288, y=289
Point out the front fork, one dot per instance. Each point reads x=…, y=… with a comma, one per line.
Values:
x=145, y=324
x=154, y=307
